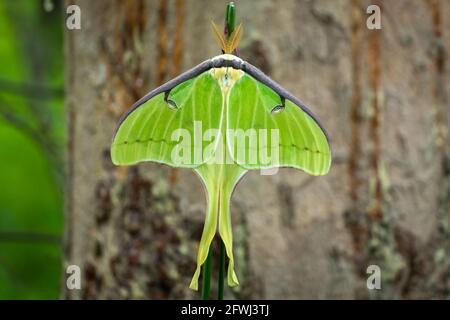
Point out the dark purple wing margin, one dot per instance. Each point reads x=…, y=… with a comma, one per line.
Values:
x=192, y=73
x=282, y=92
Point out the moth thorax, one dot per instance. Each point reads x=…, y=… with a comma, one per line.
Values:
x=226, y=77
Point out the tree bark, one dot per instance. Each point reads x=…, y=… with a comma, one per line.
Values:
x=134, y=231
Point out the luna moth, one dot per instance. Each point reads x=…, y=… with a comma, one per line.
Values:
x=230, y=95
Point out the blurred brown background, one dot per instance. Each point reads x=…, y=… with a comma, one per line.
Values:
x=381, y=95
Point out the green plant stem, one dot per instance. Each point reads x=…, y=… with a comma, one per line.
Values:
x=230, y=19
x=221, y=280
x=206, y=280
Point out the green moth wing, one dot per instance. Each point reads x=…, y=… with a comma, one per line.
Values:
x=287, y=135
x=161, y=129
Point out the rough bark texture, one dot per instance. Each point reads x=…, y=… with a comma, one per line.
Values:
x=134, y=231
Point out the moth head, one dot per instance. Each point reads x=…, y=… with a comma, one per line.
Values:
x=230, y=44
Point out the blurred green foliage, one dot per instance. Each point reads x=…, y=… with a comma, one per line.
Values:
x=31, y=140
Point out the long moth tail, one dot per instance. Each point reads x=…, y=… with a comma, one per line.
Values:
x=219, y=193
x=209, y=230
x=226, y=234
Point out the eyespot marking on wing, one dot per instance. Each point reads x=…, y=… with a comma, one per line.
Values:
x=170, y=103
x=280, y=107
